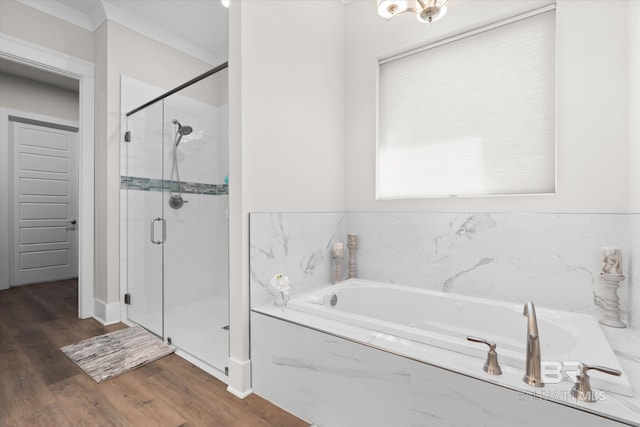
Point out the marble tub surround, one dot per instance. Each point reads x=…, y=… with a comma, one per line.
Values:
x=324, y=374
x=553, y=260
x=299, y=245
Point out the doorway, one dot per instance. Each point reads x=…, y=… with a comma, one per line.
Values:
x=39, y=57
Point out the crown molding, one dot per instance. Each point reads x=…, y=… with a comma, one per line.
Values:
x=146, y=28
x=61, y=11
x=103, y=10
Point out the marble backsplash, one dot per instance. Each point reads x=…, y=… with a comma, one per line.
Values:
x=295, y=244
x=551, y=259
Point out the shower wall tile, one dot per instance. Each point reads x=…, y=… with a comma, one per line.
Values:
x=144, y=157
x=295, y=244
x=152, y=184
x=195, y=252
x=195, y=262
x=150, y=152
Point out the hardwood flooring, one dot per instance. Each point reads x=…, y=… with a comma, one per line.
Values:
x=40, y=386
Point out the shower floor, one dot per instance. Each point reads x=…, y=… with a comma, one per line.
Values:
x=197, y=328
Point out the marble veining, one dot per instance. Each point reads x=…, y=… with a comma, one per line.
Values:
x=280, y=232
x=295, y=244
x=309, y=265
x=399, y=377
x=449, y=282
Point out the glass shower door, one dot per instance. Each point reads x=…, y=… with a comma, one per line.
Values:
x=175, y=220
x=145, y=224
x=195, y=207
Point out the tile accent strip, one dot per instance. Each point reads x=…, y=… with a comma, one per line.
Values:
x=152, y=184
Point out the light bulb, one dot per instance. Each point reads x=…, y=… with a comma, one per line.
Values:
x=225, y=3
x=432, y=13
x=390, y=8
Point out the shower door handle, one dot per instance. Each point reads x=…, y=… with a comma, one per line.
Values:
x=153, y=231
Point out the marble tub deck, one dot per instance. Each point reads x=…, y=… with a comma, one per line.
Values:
x=616, y=407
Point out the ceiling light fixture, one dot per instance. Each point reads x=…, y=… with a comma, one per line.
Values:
x=225, y=3
x=425, y=10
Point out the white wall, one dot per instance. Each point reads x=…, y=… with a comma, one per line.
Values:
x=40, y=28
x=634, y=106
x=592, y=103
x=286, y=130
x=292, y=105
x=36, y=97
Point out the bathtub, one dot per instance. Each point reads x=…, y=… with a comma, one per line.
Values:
x=445, y=320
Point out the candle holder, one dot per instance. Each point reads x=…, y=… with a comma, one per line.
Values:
x=611, y=301
x=352, y=244
x=338, y=260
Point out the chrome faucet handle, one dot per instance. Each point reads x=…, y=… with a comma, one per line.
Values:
x=582, y=388
x=491, y=366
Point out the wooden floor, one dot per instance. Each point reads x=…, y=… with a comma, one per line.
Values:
x=39, y=386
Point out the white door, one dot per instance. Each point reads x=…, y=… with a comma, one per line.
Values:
x=45, y=200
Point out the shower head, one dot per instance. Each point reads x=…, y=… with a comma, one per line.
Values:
x=182, y=130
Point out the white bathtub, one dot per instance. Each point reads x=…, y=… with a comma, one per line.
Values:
x=445, y=320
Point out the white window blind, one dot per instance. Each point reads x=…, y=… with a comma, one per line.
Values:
x=472, y=116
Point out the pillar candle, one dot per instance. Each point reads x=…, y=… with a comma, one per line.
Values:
x=612, y=261
x=338, y=250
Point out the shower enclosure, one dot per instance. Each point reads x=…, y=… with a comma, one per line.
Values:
x=174, y=215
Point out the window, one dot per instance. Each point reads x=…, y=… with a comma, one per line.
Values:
x=471, y=115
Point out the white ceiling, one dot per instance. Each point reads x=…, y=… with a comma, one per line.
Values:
x=196, y=27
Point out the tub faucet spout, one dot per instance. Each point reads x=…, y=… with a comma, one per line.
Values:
x=532, y=375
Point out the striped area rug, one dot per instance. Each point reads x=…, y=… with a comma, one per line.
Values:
x=106, y=356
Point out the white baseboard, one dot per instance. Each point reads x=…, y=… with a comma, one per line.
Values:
x=107, y=314
x=239, y=380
